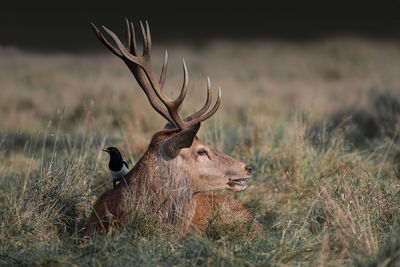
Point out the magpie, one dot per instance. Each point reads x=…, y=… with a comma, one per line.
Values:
x=118, y=167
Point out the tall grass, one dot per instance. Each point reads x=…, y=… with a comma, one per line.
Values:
x=323, y=144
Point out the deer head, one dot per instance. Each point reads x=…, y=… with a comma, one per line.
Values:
x=210, y=168
x=175, y=157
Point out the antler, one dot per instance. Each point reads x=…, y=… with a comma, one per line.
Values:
x=141, y=68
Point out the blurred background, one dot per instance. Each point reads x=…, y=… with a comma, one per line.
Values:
x=289, y=57
x=331, y=60
x=64, y=25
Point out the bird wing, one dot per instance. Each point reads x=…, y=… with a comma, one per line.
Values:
x=125, y=163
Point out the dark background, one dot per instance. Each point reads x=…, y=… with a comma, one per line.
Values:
x=64, y=25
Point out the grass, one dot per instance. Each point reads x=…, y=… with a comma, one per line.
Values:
x=318, y=122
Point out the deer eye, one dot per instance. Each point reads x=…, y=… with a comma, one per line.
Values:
x=202, y=152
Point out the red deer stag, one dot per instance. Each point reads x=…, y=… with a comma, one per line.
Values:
x=177, y=165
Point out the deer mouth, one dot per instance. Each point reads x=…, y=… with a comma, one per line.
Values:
x=237, y=184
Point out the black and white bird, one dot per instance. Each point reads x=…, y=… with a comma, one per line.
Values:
x=118, y=167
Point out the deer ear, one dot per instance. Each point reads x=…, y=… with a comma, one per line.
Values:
x=182, y=139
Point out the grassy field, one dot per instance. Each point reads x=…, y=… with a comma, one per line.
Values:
x=318, y=121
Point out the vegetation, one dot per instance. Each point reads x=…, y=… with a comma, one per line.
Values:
x=318, y=121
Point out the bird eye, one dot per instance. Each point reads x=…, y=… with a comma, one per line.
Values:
x=202, y=152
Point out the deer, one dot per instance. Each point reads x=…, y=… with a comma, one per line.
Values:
x=178, y=168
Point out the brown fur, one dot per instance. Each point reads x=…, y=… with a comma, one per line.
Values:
x=213, y=210
x=168, y=185
x=145, y=182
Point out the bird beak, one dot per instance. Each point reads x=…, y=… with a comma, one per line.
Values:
x=106, y=150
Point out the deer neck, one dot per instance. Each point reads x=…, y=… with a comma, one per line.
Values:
x=166, y=185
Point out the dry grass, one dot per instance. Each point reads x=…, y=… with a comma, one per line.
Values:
x=295, y=112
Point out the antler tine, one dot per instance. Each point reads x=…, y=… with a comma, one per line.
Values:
x=206, y=105
x=178, y=102
x=127, y=34
x=174, y=106
x=122, y=48
x=163, y=74
x=133, y=40
x=105, y=41
x=148, y=37
x=170, y=104
x=204, y=117
x=144, y=37
x=147, y=44
x=141, y=68
x=136, y=68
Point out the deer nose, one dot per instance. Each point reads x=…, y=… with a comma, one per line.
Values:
x=248, y=169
